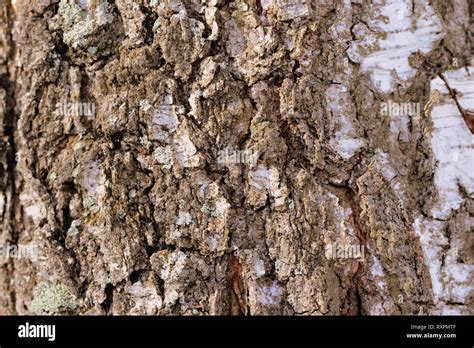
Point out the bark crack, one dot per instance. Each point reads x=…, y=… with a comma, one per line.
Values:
x=467, y=115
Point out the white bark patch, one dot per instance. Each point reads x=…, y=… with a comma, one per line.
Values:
x=382, y=163
x=174, y=266
x=214, y=242
x=261, y=177
x=171, y=296
x=186, y=152
x=399, y=128
x=237, y=44
x=378, y=273
x=382, y=304
x=92, y=179
x=292, y=9
x=146, y=299
x=268, y=294
x=343, y=236
x=171, y=271
x=164, y=120
x=394, y=33
x=268, y=179
x=258, y=268
x=145, y=105
x=184, y=219
x=222, y=207
x=32, y=206
x=345, y=142
x=453, y=143
x=451, y=281
x=385, y=168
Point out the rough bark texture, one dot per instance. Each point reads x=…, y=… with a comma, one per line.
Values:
x=135, y=210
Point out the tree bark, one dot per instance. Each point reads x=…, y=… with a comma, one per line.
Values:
x=236, y=157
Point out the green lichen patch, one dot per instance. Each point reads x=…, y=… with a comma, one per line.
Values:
x=52, y=299
x=121, y=214
x=90, y=204
x=164, y=156
x=79, y=23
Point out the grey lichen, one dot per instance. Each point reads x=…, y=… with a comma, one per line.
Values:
x=215, y=209
x=73, y=230
x=121, y=214
x=90, y=203
x=184, y=219
x=79, y=23
x=52, y=299
x=145, y=105
x=209, y=210
x=164, y=156
x=145, y=142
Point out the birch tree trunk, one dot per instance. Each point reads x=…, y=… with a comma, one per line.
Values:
x=236, y=157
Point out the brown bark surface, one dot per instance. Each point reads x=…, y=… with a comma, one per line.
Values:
x=235, y=157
